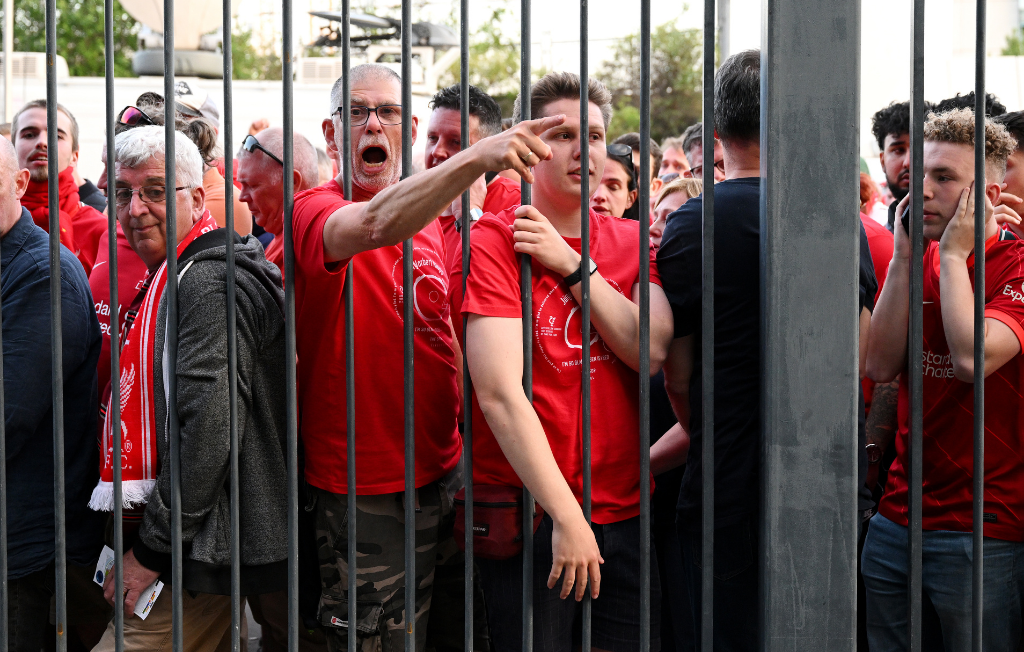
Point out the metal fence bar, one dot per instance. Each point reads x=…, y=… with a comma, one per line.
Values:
x=8, y=61
x=585, y=285
x=56, y=344
x=232, y=326
x=171, y=292
x=526, y=292
x=288, y=188
x=977, y=580
x=350, y=329
x=645, y=325
x=114, y=404
x=707, y=336
x=408, y=318
x=916, y=334
x=467, y=383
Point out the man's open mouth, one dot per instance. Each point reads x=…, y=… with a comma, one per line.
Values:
x=374, y=156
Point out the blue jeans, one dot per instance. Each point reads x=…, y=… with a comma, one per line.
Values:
x=946, y=581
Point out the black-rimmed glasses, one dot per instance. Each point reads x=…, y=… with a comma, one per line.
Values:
x=250, y=144
x=387, y=114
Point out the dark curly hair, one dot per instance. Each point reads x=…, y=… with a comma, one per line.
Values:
x=993, y=106
x=893, y=120
x=1014, y=123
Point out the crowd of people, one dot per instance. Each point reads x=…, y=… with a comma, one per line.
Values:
x=519, y=440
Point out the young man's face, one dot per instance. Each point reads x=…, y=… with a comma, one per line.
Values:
x=444, y=136
x=30, y=143
x=948, y=170
x=673, y=160
x=613, y=196
x=1014, y=178
x=895, y=159
x=559, y=178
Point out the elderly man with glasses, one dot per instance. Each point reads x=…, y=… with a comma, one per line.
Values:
x=203, y=385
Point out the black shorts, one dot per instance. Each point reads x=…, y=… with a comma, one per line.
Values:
x=557, y=623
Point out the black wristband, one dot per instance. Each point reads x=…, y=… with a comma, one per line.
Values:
x=577, y=276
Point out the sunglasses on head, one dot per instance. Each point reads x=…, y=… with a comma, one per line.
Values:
x=250, y=144
x=133, y=117
x=620, y=149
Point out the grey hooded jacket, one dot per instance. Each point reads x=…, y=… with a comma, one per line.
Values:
x=203, y=415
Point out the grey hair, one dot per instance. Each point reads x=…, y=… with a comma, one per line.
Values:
x=133, y=148
x=372, y=71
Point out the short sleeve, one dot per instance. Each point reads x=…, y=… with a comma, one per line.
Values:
x=868, y=282
x=1007, y=287
x=679, y=266
x=312, y=208
x=492, y=286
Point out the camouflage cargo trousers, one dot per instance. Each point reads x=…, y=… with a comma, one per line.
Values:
x=380, y=576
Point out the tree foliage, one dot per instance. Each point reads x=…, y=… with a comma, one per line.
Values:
x=249, y=62
x=79, y=34
x=1014, y=44
x=675, y=82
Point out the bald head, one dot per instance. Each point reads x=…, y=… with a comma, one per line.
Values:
x=13, y=182
x=366, y=73
x=303, y=156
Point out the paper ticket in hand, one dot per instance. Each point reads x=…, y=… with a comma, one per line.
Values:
x=146, y=599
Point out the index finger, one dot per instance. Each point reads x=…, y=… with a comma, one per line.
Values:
x=595, y=579
x=540, y=125
x=1009, y=198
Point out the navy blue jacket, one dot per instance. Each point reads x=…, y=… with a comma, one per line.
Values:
x=28, y=402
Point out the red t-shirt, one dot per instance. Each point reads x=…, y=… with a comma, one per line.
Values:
x=502, y=193
x=275, y=252
x=379, y=364
x=493, y=290
x=131, y=272
x=949, y=412
x=880, y=241
x=90, y=226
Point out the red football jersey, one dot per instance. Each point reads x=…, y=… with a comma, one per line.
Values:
x=493, y=290
x=949, y=412
x=378, y=320
x=881, y=243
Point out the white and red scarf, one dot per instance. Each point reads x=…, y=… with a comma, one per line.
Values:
x=139, y=466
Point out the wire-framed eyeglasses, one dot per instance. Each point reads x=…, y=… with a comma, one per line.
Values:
x=154, y=194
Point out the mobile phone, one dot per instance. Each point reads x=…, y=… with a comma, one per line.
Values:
x=906, y=220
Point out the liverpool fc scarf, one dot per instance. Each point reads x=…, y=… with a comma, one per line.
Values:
x=36, y=200
x=138, y=410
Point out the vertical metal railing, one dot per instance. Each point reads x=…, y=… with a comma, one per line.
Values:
x=916, y=335
x=350, y=329
x=408, y=329
x=229, y=225
x=645, y=325
x=585, y=286
x=467, y=383
x=114, y=404
x=171, y=343
x=977, y=561
x=526, y=292
x=56, y=336
x=707, y=337
x=292, y=434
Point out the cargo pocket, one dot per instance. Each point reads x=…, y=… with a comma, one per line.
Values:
x=334, y=613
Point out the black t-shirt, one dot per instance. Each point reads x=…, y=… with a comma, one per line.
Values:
x=737, y=345
x=868, y=290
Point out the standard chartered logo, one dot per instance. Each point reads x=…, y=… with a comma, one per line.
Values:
x=937, y=366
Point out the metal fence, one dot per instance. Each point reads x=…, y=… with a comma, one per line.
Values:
x=827, y=43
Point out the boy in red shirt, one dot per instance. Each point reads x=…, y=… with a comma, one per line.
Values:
x=949, y=196
x=329, y=232
x=539, y=444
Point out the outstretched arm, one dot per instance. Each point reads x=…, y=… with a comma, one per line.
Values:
x=402, y=210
